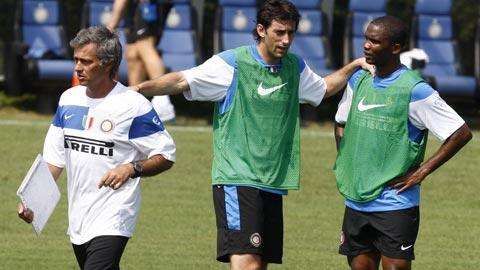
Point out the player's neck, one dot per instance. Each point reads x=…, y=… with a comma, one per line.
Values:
x=386, y=70
x=266, y=56
x=100, y=89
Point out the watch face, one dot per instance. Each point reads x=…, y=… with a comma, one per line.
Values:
x=137, y=167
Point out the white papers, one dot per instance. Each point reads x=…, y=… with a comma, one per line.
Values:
x=39, y=192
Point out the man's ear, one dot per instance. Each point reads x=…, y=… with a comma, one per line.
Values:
x=396, y=48
x=261, y=31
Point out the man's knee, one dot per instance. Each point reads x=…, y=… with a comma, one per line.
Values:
x=367, y=261
x=246, y=262
x=131, y=53
x=396, y=264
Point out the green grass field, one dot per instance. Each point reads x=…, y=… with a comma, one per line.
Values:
x=176, y=227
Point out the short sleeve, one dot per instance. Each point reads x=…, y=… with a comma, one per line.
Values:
x=434, y=114
x=344, y=105
x=210, y=80
x=312, y=87
x=53, y=146
x=149, y=136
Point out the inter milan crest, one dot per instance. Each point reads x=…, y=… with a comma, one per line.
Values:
x=435, y=29
x=255, y=240
x=106, y=125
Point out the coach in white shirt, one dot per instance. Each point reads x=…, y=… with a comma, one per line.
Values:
x=106, y=137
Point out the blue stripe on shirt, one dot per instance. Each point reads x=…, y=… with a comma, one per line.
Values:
x=145, y=125
x=70, y=116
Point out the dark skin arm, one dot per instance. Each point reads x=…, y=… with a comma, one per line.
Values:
x=338, y=132
x=446, y=151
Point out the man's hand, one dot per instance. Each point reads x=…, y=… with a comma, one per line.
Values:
x=116, y=177
x=410, y=179
x=25, y=213
x=363, y=63
x=133, y=88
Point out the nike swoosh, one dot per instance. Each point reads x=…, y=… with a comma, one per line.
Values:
x=405, y=248
x=66, y=117
x=141, y=31
x=265, y=91
x=363, y=107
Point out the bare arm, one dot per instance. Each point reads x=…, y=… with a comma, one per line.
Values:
x=116, y=177
x=337, y=80
x=447, y=150
x=168, y=84
x=338, y=132
x=119, y=7
x=27, y=214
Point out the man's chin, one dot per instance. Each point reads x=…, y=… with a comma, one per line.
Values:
x=369, y=61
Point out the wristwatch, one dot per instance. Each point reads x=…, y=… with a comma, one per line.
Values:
x=137, y=168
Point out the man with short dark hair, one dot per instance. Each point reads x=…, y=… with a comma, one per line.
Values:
x=381, y=131
x=256, y=137
x=106, y=137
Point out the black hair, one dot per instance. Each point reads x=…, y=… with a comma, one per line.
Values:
x=395, y=28
x=279, y=10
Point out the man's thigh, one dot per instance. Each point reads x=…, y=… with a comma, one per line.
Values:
x=103, y=252
x=393, y=233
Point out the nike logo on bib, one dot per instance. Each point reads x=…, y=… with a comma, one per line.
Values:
x=265, y=91
x=364, y=107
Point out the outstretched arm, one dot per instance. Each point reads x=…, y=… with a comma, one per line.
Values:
x=168, y=84
x=447, y=150
x=338, y=79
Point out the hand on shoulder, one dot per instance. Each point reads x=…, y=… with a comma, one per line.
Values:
x=363, y=63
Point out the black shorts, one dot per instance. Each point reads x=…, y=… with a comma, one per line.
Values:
x=102, y=252
x=137, y=27
x=393, y=233
x=249, y=221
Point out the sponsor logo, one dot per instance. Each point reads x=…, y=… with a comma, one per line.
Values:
x=403, y=248
x=89, y=146
x=266, y=91
x=66, y=117
x=255, y=239
x=365, y=107
x=106, y=126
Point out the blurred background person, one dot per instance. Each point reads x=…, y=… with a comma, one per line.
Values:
x=144, y=21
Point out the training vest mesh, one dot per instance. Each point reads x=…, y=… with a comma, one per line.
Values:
x=375, y=147
x=256, y=141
